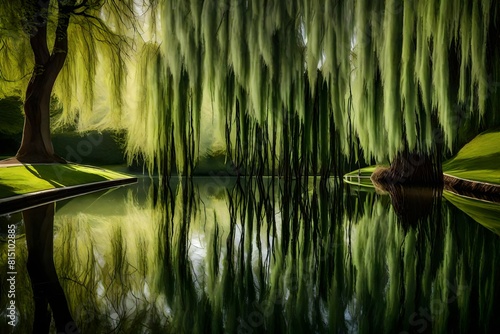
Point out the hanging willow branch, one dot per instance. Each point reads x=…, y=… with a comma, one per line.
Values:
x=394, y=73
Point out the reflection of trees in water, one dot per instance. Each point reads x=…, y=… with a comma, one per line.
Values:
x=24, y=297
x=38, y=295
x=413, y=204
x=47, y=291
x=108, y=264
x=312, y=259
x=274, y=255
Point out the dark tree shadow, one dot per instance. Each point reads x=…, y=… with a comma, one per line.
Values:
x=47, y=291
x=412, y=204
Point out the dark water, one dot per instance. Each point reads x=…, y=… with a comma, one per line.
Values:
x=217, y=255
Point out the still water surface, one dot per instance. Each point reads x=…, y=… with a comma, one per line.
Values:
x=217, y=255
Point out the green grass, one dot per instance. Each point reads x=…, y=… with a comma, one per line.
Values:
x=478, y=160
x=483, y=212
x=21, y=180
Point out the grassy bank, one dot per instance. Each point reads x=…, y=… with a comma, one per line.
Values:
x=479, y=160
x=31, y=178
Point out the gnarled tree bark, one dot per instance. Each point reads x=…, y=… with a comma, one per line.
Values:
x=36, y=144
x=411, y=168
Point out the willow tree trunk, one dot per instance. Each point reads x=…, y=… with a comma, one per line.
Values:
x=412, y=168
x=36, y=144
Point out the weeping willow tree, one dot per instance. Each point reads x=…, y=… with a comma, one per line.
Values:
x=299, y=84
x=43, y=40
x=296, y=86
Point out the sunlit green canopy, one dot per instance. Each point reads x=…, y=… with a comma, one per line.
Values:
x=296, y=82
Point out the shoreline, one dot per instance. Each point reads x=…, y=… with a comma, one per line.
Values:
x=477, y=189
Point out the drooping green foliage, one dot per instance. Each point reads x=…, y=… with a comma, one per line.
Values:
x=297, y=82
x=102, y=36
x=295, y=85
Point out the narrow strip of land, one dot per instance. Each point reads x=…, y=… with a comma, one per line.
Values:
x=27, y=185
x=475, y=170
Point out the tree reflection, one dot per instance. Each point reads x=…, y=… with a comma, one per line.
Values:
x=270, y=255
x=39, y=225
x=412, y=204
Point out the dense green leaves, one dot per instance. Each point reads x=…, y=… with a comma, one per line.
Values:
x=397, y=73
x=384, y=74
